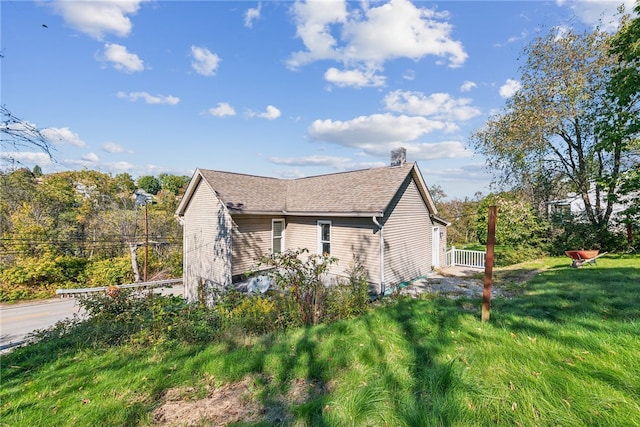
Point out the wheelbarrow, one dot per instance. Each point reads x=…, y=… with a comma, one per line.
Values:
x=581, y=257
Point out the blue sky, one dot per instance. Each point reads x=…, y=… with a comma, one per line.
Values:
x=282, y=89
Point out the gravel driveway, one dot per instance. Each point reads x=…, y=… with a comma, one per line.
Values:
x=452, y=282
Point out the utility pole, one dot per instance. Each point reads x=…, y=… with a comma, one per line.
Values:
x=146, y=240
x=488, y=263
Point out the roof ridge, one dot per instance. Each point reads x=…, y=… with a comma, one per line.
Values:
x=244, y=174
x=351, y=171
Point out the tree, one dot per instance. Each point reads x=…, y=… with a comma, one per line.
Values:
x=547, y=138
x=437, y=194
x=173, y=183
x=518, y=224
x=150, y=184
x=463, y=216
x=123, y=186
x=620, y=125
x=17, y=134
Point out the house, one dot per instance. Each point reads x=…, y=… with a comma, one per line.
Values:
x=383, y=218
x=573, y=207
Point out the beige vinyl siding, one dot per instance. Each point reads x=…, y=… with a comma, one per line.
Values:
x=351, y=239
x=207, y=243
x=407, y=236
x=251, y=240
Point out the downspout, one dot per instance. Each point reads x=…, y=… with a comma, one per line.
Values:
x=381, y=228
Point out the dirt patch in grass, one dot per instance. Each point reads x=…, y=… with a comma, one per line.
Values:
x=456, y=282
x=233, y=403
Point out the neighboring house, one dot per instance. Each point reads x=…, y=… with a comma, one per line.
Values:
x=573, y=206
x=383, y=218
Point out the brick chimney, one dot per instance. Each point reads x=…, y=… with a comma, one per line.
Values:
x=398, y=156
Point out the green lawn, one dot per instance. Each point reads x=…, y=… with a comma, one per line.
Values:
x=564, y=350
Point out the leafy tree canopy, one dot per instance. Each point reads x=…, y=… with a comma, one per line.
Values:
x=173, y=183
x=518, y=224
x=547, y=141
x=150, y=184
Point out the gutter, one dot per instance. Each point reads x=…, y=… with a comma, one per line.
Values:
x=381, y=228
x=333, y=214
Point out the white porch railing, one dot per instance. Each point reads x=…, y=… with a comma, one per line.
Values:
x=465, y=258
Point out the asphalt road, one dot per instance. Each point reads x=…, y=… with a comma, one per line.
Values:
x=19, y=320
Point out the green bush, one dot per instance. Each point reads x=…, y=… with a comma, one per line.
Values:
x=128, y=316
x=255, y=314
x=301, y=274
x=349, y=298
x=581, y=235
x=504, y=256
x=109, y=272
x=30, y=278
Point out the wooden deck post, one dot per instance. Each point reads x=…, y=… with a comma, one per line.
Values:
x=488, y=264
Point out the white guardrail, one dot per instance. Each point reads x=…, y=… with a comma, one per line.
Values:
x=70, y=293
x=465, y=258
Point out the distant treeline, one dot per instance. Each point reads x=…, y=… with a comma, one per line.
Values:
x=85, y=228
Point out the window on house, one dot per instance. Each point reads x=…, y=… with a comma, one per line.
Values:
x=324, y=237
x=277, y=235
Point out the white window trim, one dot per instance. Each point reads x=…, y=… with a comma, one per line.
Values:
x=321, y=222
x=282, y=237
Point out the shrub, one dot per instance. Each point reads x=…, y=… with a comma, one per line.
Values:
x=301, y=275
x=582, y=235
x=30, y=277
x=107, y=272
x=129, y=316
x=349, y=298
x=504, y=256
x=255, y=314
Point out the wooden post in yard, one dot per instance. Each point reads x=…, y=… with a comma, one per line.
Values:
x=488, y=263
x=146, y=240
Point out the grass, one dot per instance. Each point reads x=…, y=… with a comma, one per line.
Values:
x=564, y=350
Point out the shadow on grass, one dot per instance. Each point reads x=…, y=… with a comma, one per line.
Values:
x=389, y=366
x=562, y=301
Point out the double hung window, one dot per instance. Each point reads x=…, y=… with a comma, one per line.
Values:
x=277, y=235
x=324, y=237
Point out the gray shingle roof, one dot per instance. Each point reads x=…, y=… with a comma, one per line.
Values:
x=366, y=191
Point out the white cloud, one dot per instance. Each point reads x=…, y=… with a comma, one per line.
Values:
x=26, y=157
x=355, y=78
x=437, y=105
x=149, y=99
x=334, y=162
x=372, y=35
x=204, y=61
x=91, y=157
x=271, y=113
x=111, y=147
x=251, y=15
x=467, y=86
x=438, y=150
x=98, y=18
x=603, y=13
x=311, y=161
x=368, y=132
x=313, y=26
x=63, y=136
x=121, y=59
x=409, y=75
x=222, y=110
x=509, y=88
